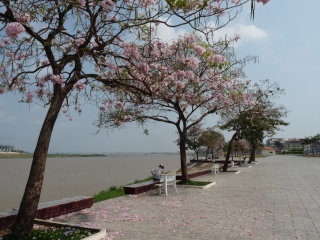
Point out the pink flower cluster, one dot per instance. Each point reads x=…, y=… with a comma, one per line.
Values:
x=199, y=50
x=14, y=29
x=192, y=62
x=263, y=1
x=57, y=79
x=79, y=41
x=79, y=86
x=216, y=58
x=107, y=5
x=131, y=50
x=82, y=2
x=23, y=18
x=29, y=96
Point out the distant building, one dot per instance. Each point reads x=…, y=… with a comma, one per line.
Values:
x=6, y=148
x=312, y=148
x=268, y=151
x=271, y=141
x=293, y=144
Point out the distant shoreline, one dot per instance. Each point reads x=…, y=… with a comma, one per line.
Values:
x=66, y=155
x=56, y=155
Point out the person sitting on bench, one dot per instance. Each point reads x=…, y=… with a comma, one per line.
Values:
x=156, y=173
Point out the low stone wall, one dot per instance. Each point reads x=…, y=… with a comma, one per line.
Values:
x=142, y=187
x=196, y=174
x=49, y=209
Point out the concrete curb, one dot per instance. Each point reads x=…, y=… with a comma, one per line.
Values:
x=200, y=187
x=230, y=172
x=101, y=233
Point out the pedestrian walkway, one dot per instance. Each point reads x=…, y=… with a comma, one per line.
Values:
x=278, y=198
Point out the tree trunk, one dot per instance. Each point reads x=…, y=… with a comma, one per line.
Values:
x=253, y=154
x=183, y=157
x=207, y=153
x=226, y=162
x=28, y=207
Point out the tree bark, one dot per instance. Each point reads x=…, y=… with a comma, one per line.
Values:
x=183, y=157
x=28, y=207
x=226, y=162
x=253, y=154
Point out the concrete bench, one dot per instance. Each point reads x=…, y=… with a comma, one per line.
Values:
x=142, y=187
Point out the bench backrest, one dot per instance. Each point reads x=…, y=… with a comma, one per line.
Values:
x=171, y=178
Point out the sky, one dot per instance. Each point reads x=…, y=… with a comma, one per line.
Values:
x=284, y=35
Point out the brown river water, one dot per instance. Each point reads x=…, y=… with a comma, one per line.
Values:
x=69, y=177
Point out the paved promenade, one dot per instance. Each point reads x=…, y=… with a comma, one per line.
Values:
x=278, y=198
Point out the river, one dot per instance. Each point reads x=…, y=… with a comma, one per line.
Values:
x=68, y=177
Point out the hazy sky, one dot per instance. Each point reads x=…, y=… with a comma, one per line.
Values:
x=284, y=35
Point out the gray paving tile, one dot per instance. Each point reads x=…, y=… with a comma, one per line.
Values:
x=278, y=198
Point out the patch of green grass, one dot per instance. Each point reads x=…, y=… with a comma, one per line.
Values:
x=113, y=192
x=143, y=180
x=54, y=233
x=194, y=183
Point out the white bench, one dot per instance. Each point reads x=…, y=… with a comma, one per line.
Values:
x=169, y=180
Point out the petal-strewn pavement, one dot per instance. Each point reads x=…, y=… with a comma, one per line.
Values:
x=277, y=198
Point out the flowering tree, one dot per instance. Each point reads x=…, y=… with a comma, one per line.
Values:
x=183, y=82
x=49, y=47
x=252, y=121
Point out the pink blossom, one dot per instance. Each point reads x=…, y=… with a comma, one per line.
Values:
x=10, y=55
x=192, y=62
x=180, y=85
x=216, y=58
x=44, y=62
x=107, y=4
x=199, y=50
x=79, y=41
x=130, y=50
x=147, y=3
x=57, y=79
x=1, y=44
x=14, y=29
x=144, y=67
x=2, y=90
x=29, y=96
x=263, y=1
x=118, y=105
x=181, y=74
x=79, y=86
x=102, y=108
x=127, y=118
x=6, y=41
x=23, y=18
x=82, y=2
x=94, y=44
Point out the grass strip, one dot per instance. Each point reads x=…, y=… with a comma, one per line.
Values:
x=114, y=192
